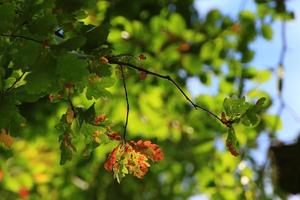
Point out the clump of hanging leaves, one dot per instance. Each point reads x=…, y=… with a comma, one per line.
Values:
x=238, y=110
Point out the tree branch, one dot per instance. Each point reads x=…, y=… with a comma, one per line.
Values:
x=22, y=37
x=127, y=103
x=167, y=77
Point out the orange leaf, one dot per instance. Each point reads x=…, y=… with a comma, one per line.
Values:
x=184, y=47
x=132, y=158
x=152, y=151
x=1, y=175
x=114, y=136
x=99, y=119
x=111, y=160
x=5, y=138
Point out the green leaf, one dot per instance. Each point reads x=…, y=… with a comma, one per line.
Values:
x=247, y=15
x=66, y=154
x=66, y=147
x=260, y=104
x=8, y=111
x=87, y=130
x=72, y=43
x=43, y=25
x=235, y=107
x=70, y=5
x=272, y=122
x=176, y=23
x=27, y=54
x=97, y=36
x=96, y=89
x=43, y=75
x=71, y=69
x=267, y=32
x=251, y=119
x=63, y=126
x=207, y=50
x=87, y=116
x=102, y=69
x=247, y=55
x=7, y=14
x=262, y=76
x=93, y=140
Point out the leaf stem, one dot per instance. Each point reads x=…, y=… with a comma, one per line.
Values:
x=127, y=103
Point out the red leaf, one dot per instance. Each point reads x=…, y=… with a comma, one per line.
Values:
x=1, y=175
x=23, y=192
x=231, y=148
x=111, y=160
x=184, y=47
x=152, y=151
x=99, y=119
x=132, y=158
x=114, y=136
x=232, y=143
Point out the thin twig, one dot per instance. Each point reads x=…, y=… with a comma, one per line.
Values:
x=167, y=77
x=292, y=112
x=22, y=37
x=283, y=43
x=14, y=83
x=280, y=81
x=280, y=69
x=123, y=55
x=127, y=103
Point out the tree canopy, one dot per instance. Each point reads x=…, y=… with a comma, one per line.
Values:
x=93, y=92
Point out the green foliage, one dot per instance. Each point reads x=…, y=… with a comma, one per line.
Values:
x=43, y=25
x=251, y=117
x=97, y=36
x=7, y=12
x=235, y=107
x=54, y=91
x=71, y=69
x=96, y=88
x=266, y=31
